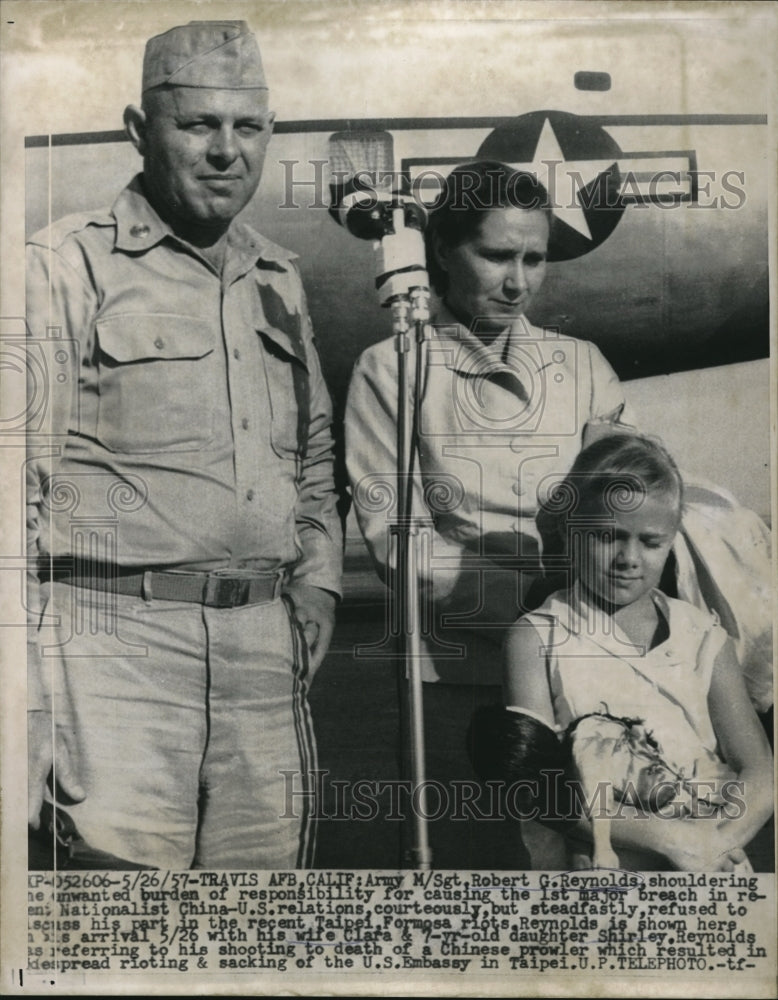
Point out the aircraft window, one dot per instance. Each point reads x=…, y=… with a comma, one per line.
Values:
x=585, y=80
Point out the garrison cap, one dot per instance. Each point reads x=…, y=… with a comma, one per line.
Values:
x=220, y=54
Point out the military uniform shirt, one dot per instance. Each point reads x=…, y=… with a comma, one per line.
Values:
x=187, y=423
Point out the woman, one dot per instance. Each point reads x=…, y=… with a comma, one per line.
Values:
x=504, y=404
x=505, y=408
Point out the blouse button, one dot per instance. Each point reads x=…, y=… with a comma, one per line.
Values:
x=140, y=231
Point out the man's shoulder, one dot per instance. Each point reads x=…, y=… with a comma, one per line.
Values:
x=56, y=235
x=269, y=250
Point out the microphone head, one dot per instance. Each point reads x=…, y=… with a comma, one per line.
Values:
x=370, y=215
x=372, y=153
x=361, y=180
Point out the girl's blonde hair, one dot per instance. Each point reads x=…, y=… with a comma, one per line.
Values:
x=613, y=474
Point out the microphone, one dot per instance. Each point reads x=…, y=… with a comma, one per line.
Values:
x=364, y=201
x=401, y=260
x=362, y=172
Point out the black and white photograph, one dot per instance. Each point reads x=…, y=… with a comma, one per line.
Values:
x=388, y=435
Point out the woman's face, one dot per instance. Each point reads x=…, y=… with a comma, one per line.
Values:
x=493, y=275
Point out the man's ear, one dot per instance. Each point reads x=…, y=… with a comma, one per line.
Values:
x=135, y=122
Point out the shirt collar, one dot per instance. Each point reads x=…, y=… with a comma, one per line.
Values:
x=580, y=615
x=471, y=357
x=139, y=228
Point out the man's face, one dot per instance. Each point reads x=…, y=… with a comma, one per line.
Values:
x=622, y=561
x=203, y=151
x=494, y=275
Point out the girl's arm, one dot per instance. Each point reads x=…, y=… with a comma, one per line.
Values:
x=526, y=686
x=743, y=745
x=525, y=681
x=708, y=843
x=689, y=844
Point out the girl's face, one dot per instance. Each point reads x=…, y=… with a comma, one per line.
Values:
x=622, y=561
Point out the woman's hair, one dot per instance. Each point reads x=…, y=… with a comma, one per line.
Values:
x=468, y=193
x=611, y=475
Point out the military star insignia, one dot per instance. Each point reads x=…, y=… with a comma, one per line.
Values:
x=563, y=179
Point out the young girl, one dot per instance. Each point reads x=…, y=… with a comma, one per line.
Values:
x=614, y=647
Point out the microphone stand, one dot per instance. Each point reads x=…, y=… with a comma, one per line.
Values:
x=408, y=297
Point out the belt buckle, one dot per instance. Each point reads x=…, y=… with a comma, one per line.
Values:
x=226, y=592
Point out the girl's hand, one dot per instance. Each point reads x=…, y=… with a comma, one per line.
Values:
x=704, y=845
x=736, y=861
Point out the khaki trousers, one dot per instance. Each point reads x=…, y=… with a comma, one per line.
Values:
x=187, y=726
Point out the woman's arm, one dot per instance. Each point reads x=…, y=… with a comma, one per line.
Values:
x=371, y=457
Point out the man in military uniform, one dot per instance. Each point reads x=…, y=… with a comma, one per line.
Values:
x=182, y=522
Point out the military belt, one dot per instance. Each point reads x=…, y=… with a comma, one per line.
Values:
x=221, y=589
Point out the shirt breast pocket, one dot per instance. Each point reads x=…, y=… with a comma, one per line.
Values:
x=156, y=378
x=287, y=391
